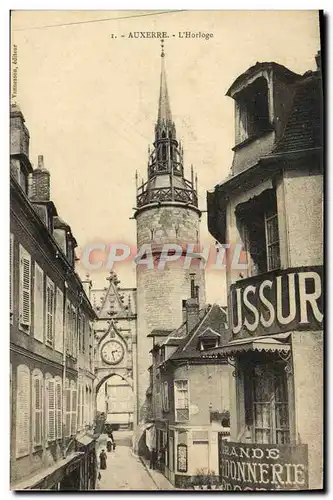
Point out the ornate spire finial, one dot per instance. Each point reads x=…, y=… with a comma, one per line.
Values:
x=162, y=48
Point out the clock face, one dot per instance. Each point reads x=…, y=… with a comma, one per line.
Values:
x=112, y=352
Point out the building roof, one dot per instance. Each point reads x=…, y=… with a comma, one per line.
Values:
x=304, y=126
x=213, y=319
x=282, y=71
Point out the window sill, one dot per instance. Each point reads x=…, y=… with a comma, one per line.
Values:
x=252, y=138
x=24, y=329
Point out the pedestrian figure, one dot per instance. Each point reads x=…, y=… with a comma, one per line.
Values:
x=153, y=458
x=102, y=460
x=109, y=443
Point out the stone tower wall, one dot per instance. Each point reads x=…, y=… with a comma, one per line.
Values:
x=160, y=292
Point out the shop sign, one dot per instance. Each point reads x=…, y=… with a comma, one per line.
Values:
x=262, y=467
x=278, y=301
x=182, y=458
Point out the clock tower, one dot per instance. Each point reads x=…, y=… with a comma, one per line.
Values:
x=166, y=213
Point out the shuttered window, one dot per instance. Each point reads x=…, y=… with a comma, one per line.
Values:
x=82, y=405
x=49, y=312
x=11, y=275
x=23, y=411
x=51, y=413
x=79, y=406
x=39, y=304
x=37, y=408
x=58, y=407
x=68, y=408
x=25, y=288
x=74, y=332
x=59, y=321
x=73, y=408
x=68, y=329
x=83, y=333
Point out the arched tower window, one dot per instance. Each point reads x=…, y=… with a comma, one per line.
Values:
x=164, y=152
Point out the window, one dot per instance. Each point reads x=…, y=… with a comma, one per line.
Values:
x=11, y=273
x=258, y=221
x=37, y=407
x=82, y=406
x=39, y=304
x=83, y=332
x=181, y=400
x=79, y=408
x=69, y=343
x=266, y=404
x=73, y=407
x=51, y=407
x=23, y=411
x=59, y=322
x=208, y=343
x=165, y=396
x=74, y=332
x=25, y=289
x=49, y=312
x=58, y=406
x=252, y=113
x=68, y=408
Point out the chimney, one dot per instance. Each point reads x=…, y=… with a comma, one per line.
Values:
x=192, y=307
x=40, y=182
x=19, y=134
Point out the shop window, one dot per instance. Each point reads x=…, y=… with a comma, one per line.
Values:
x=181, y=391
x=258, y=225
x=252, y=110
x=266, y=404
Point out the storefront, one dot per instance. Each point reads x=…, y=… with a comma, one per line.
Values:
x=277, y=386
x=88, y=470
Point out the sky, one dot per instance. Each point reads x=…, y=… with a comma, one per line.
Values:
x=89, y=97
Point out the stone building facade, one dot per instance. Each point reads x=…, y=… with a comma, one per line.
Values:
x=51, y=336
x=166, y=213
x=272, y=204
x=189, y=395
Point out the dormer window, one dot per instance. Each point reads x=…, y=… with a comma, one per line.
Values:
x=208, y=339
x=252, y=110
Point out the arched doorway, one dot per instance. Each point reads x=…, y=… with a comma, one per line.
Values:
x=115, y=398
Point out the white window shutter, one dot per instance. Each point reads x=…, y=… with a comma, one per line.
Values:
x=37, y=409
x=11, y=276
x=58, y=400
x=82, y=406
x=74, y=333
x=49, y=312
x=25, y=287
x=68, y=328
x=79, y=406
x=39, y=304
x=23, y=411
x=68, y=410
x=59, y=322
x=74, y=410
x=51, y=410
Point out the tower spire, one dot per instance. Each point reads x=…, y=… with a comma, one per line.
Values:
x=164, y=109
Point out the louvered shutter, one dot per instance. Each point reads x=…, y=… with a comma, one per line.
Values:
x=83, y=333
x=58, y=397
x=37, y=410
x=11, y=277
x=25, y=287
x=39, y=304
x=49, y=312
x=82, y=405
x=68, y=410
x=59, y=331
x=68, y=329
x=51, y=410
x=74, y=410
x=79, y=407
x=23, y=411
x=74, y=333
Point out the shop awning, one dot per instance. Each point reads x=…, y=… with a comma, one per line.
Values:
x=85, y=440
x=44, y=474
x=267, y=344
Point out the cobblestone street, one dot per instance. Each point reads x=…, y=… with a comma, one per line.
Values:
x=124, y=470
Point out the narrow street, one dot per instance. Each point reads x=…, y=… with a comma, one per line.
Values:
x=124, y=470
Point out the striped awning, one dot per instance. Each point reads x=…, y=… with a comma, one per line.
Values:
x=276, y=343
